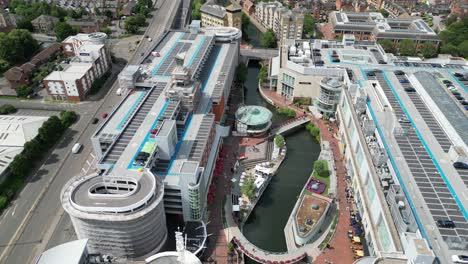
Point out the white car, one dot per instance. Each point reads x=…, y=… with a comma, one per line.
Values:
x=459, y=258
x=76, y=148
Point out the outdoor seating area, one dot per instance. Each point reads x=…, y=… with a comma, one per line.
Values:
x=354, y=235
x=316, y=186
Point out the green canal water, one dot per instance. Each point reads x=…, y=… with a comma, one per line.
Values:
x=265, y=225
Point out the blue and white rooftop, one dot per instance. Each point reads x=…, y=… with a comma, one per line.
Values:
x=413, y=123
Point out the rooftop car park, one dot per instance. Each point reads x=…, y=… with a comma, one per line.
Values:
x=431, y=180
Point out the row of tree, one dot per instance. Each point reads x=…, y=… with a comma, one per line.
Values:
x=49, y=134
x=407, y=47
x=455, y=37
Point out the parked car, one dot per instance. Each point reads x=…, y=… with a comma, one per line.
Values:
x=139, y=163
x=95, y=120
x=335, y=60
x=404, y=81
x=410, y=89
x=398, y=72
x=382, y=62
x=403, y=120
x=460, y=165
x=447, y=82
x=104, y=115
x=457, y=74
x=445, y=223
x=460, y=258
x=370, y=73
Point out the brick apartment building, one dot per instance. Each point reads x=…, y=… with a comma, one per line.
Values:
x=90, y=60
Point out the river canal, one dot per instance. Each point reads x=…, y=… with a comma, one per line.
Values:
x=265, y=225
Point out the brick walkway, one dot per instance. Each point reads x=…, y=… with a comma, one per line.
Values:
x=340, y=251
x=217, y=246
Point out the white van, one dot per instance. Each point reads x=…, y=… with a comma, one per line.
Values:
x=76, y=148
x=119, y=92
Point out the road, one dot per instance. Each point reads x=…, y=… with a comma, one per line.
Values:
x=36, y=221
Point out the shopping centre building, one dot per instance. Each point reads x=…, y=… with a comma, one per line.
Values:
x=404, y=151
x=157, y=149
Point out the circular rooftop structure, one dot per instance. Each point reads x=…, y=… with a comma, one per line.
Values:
x=253, y=115
x=174, y=257
x=253, y=120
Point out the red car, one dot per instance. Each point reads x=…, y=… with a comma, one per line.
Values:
x=104, y=115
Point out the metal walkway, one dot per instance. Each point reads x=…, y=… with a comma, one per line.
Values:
x=290, y=124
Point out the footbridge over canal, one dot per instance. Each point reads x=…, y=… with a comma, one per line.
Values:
x=290, y=125
x=262, y=256
x=258, y=54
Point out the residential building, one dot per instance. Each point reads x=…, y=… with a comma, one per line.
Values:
x=284, y=22
x=249, y=7
x=344, y=5
x=8, y=20
x=459, y=8
x=403, y=149
x=89, y=24
x=16, y=131
x=90, y=60
x=213, y=15
x=21, y=75
x=291, y=25
x=373, y=26
x=157, y=149
x=44, y=23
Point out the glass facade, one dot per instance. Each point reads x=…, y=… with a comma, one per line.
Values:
x=287, y=87
x=194, y=201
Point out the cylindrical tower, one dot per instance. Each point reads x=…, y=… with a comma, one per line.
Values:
x=122, y=217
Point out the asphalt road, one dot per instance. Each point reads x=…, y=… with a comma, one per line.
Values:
x=35, y=221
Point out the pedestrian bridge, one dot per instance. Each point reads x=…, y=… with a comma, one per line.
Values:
x=290, y=124
x=263, y=54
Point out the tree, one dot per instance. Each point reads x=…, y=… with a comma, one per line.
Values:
x=428, y=50
x=51, y=130
x=384, y=12
x=450, y=20
x=249, y=188
x=245, y=20
x=132, y=25
x=387, y=45
x=279, y=141
x=241, y=73
x=17, y=46
x=196, y=14
x=309, y=25
x=20, y=166
x=268, y=39
x=449, y=49
x=407, y=47
x=33, y=149
x=68, y=118
x=463, y=49
x=23, y=91
x=263, y=74
x=64, y=30
x=321, y=168
x=7, y=109
x=4, y=65
x=106, y=30
x=24, y=24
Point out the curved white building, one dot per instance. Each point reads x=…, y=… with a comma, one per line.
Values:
x=120, y=216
